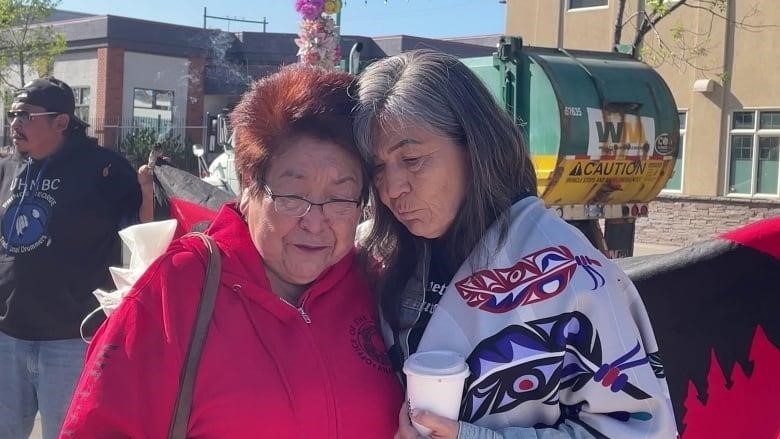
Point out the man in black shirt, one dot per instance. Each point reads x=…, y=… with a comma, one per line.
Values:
x=63, y=198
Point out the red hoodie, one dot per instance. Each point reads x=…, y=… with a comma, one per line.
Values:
x=264, y=372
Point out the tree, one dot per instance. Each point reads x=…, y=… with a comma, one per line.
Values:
x=27, y=45
x=682, y=47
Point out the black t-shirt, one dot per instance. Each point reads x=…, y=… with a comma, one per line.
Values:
x=441, y=269
x=58, y=236
x=440, y=272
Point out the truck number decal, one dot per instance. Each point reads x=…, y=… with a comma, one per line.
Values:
x=572, y=111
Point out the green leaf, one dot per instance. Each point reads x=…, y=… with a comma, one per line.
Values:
x=28, y=46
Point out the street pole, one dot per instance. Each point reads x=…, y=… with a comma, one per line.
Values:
x=338, y=15
x=338, y=29
x=229, y=20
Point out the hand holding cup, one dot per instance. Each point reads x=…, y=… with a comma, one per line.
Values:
x=435, y=382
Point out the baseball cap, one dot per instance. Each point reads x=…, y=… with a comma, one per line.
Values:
x=53, y=95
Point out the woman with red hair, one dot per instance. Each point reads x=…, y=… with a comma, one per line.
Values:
x=293, y=349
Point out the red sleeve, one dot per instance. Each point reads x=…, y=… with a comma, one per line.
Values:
x=131, y=375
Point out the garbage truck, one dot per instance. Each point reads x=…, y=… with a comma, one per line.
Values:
x=215, y=156
x=602, y=129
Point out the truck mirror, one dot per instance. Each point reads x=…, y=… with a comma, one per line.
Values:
x=354, y=58
x=198, y=150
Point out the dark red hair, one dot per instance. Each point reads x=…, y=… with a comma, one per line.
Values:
x=297, y=101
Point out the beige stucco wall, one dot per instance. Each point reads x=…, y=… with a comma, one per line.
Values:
x=706, y=129
x=755, y=76
x=539, y=23
x=583, y=29
x=521, y=17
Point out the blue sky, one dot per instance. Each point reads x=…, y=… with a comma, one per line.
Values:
x=428, y=18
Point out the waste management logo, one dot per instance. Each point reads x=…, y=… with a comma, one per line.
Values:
x=619, y=134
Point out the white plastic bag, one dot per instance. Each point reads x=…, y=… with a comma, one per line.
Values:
x=145, y=243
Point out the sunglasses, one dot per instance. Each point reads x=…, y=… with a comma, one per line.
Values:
x=26, y=116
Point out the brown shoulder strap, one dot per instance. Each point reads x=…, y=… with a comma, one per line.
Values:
x=181, y=414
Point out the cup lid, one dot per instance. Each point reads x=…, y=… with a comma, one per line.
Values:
x=436, y=363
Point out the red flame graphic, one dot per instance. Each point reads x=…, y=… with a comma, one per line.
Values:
x=749, y=409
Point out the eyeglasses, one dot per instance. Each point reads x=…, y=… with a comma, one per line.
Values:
x=295, y=206
x=26, y=116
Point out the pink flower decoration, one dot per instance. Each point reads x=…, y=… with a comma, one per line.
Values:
x=318, y=37
x=309, y=9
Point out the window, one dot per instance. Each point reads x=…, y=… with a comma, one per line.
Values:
x=579, y=4
x=81, y=94
x=153, y=99
x=753, y=152
x=743, y=120
x=675, y=181
x=152, y=108
x=769, y=120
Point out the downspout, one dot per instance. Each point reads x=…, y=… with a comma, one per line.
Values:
x=561, y=23
x=728, y=67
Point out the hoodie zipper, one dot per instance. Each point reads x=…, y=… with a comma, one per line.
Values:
x=327, y=370
x=300, y=310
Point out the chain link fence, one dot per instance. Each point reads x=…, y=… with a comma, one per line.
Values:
x=134, y=136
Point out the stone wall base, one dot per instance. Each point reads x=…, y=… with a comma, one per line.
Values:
x=681, y=220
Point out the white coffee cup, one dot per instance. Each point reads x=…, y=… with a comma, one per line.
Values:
x=434, y=382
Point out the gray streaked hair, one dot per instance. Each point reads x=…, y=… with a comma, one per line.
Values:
x=435, y=91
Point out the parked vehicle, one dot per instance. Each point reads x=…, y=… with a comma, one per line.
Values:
x=221, y=171
x=602, y=128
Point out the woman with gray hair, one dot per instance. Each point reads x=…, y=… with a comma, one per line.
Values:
x=556, y=337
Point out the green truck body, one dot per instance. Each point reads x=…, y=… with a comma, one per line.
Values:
x=602, y=128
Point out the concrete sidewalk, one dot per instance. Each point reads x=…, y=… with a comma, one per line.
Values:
x=643, y=249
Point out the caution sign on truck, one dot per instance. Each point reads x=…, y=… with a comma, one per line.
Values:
x=598, y=171
x=625, y=160
x=608, y=180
